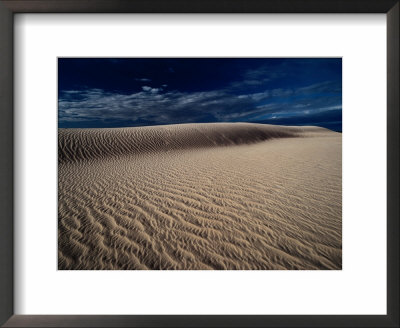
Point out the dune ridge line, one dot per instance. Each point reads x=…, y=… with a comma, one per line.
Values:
x=90, y=144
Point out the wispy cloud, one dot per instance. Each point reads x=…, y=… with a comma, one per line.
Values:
x=150, y=89
x=151, y=104
x=143, y=80
x=156, y=105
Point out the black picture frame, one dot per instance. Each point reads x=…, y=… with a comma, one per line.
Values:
x=10, y=7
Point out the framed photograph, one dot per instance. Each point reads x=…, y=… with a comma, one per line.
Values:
x=199, y=164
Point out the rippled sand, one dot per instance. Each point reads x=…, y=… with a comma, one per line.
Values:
x=200, y=196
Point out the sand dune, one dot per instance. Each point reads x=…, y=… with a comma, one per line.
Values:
x=83, y=144
x=200, y=196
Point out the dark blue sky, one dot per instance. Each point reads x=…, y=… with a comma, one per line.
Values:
x=118, y=92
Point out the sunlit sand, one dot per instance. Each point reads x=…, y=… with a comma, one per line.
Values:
x=200, y=196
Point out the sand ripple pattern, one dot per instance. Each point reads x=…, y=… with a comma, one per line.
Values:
x=200, y=196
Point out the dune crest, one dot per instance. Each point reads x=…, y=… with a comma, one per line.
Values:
x=200, y=196
x=88, y=144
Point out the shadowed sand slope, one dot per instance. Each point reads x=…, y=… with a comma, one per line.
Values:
x=200, y=196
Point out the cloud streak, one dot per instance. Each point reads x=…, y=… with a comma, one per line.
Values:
x=156, y=106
